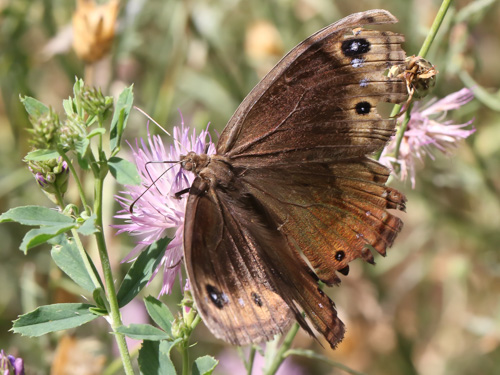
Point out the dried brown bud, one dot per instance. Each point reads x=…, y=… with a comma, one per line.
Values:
x=94, y=29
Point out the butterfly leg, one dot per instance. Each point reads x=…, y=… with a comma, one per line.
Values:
x=179, y=194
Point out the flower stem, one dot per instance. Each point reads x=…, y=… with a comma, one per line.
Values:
x=114, y=312
x=85, y=259
x=77, y=181
x=251, y=358
x=434, y=28
x=185, y=358
x=280, y=355
x=422, y=53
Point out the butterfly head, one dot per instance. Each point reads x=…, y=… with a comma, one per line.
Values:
x=193, y=162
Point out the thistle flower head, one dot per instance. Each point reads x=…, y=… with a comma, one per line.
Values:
x=427, y=131
x=157, y=209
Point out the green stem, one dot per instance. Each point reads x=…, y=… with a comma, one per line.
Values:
x=402, y=130
x=434, y=28
x=77, y=181
x=251, y=359
x=185, y=358
x=422, y=53
x=116, y=364
x=280, y=356
x=114, y=312
x=313, y=355
x=85, y=258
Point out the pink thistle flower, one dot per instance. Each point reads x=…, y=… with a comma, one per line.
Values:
x=158, y=210
x=428, y=131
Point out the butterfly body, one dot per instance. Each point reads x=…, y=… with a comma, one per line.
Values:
x=290, y=197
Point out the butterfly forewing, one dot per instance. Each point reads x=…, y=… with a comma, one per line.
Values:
x=322, y=95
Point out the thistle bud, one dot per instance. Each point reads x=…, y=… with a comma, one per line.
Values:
x=94, y=29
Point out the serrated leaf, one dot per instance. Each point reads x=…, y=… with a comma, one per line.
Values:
x=143, y=332
x=88, y=227
x=41, y=155
x=153, y=360
x=204, y=365
x=34, y=107
x=35, y=215
x=38, y=236
x=52, y=318
x=139, y=274
x=124, y=171
x=160, y=313
x=67, y=257
x=120, y=117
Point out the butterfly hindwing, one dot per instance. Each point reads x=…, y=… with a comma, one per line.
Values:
x=247, y=281
x=333, y=213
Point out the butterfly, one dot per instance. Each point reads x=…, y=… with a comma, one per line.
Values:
x=291, y=197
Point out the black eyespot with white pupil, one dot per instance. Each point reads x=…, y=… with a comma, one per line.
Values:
x=363, y=108
x=218, y=298
x=256, y=299
x=355, y=47
x=339, y=255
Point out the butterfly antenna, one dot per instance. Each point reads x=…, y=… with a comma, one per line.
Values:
x=156, y=123
x=131, y=208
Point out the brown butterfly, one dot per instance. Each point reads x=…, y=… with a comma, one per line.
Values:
x=291, y=181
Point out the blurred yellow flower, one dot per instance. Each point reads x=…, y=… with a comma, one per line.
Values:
x=263, y=40
x=94, y=28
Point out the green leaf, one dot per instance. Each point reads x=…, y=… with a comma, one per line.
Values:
x=69, y=107
x=34, y=107
x=67, y=257
x=81, y=147
x=41, y=155
x=143, y=332
x=124, y=171
x=100, y=299
x=160, y=313
x=52, y=318
x=139, y=274
x=35, y=215
x=38, y=236
x=88, y=227
x=120, y=117
x=204, y=365
x=154, y=358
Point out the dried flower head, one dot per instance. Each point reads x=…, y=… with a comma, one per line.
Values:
x=427, y=131
x=158, y=209
x=94, y=29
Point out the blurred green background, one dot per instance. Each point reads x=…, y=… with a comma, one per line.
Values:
x=430, y=307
